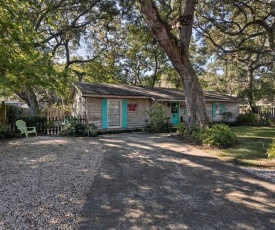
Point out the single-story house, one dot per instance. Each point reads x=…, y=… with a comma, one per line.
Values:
x=125, y=106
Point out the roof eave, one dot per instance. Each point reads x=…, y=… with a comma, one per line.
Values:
x=112, y=96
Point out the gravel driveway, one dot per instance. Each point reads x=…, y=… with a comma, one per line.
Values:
x=151, y=181
x=44, y=181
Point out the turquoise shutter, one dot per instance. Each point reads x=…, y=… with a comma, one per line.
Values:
x=124, y=113
x=185, y=111
x=104, y=115
x=213, y=109
x=223, y=108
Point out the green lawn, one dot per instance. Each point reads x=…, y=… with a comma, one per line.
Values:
x=252, y=147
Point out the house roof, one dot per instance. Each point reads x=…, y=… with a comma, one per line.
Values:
x=116, y=90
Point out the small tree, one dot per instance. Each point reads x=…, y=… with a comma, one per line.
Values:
x=157, y=123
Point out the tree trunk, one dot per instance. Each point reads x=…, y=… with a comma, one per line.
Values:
x=250, y=94
x=178, y=53
x=194, y=98
x=29, y=97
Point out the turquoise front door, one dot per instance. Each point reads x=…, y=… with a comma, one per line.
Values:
x=174, y=113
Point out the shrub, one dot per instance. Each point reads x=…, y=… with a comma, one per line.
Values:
x=5, y=132
x=182, y=128
x=271, y=150
x=156, y=122
x=158, y=128
x=265, y=122
x=226, y=116
x=246, y=118
x=76, y=128
x=193, y=135
x=197, y=134
x=13, y=112
x=73, y=129
x=219, y=135
x=92, y=130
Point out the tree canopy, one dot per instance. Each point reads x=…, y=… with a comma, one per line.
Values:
x=226, y=46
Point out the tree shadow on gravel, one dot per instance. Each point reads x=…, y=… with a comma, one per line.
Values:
x=153, y=182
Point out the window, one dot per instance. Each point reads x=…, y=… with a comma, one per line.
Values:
x=114, y=113
x=218, y=108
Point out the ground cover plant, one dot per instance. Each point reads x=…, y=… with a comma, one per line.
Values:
x=271, y=150
x=252, y=148
x=217, y=135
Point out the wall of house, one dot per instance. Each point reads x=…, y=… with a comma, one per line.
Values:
x=137, y=112
x=78, y=106
x=166, y=110
x=232, y=107
x=94, y=111
x=182, y=110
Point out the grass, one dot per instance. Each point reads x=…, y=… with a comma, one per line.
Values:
x=251, y=149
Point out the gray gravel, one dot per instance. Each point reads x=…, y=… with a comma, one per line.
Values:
x=44, y=181
x=265, y=174
x=150, y=181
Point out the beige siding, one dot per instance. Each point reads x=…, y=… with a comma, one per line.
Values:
x=137, y=117
x=94, y=111
x=233, y=108
x=74, y=108
x=166, y=110
x=78, y=106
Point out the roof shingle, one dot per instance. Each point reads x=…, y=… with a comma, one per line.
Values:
x=102, y=89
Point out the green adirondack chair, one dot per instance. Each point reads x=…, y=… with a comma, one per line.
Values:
x=21, y=125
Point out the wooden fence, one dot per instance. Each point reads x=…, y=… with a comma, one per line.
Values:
x=56, y=112
x=50, y=125
x=3, y=113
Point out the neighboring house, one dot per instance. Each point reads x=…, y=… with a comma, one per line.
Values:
x=16, y=103
x=25, y=108
x=262, y=109
x=124, y=106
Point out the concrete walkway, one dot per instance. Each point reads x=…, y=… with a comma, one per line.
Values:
x=149, y=181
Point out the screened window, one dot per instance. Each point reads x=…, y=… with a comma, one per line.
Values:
x=114, y=113
x=218, y=109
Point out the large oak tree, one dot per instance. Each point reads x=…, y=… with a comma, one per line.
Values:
x=176, y=46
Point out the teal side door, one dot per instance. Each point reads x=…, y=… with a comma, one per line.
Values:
x=174, y=113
